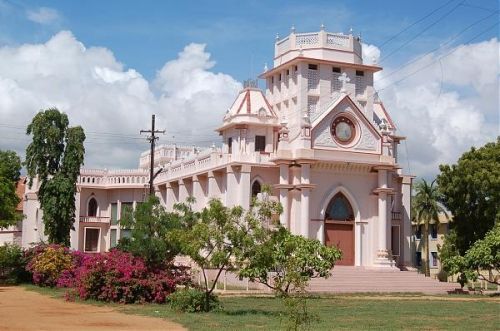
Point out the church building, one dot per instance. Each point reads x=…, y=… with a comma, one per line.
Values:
x=318, y=135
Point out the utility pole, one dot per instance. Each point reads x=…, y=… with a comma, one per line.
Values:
x=152, y=138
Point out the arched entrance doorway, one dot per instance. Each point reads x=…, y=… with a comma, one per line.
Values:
x=339, y=227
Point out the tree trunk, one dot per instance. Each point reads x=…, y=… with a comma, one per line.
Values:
x=425, y=247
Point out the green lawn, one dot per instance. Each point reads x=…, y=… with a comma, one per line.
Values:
x=348, y=312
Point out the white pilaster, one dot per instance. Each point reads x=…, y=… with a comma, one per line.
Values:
x=284, y=217
x=304, y=200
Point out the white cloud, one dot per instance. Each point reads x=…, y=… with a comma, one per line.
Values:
x=97, y=92
x=448, y=106
x=371, y=54
x=43, y=15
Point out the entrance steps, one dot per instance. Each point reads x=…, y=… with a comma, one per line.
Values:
x=346, y=279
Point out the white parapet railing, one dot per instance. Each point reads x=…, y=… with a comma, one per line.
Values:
x=94, y=219
x=207, y=161
x=122, y=177
x=321, y=39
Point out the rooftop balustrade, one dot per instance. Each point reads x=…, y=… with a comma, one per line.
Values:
x=321, y=39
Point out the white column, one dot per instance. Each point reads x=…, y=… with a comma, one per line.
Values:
x=284, y=217
x=244, y=187
x=183, y=192
x=212, y=186
x=170, y=197
x=198, y=193
x=295, y=215
x=73, y=235
x=383, y=258
x=304, y=200
x=231, y=187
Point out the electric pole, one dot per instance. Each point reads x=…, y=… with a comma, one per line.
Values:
x=152, y=138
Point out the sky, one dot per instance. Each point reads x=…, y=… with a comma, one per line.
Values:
x=111, y=64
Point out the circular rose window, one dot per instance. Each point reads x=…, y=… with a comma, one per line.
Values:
x=343, y=130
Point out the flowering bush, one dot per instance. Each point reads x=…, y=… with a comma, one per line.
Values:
x=47, y=263
x=120, y=277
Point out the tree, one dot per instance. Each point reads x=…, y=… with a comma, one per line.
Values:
x=427, y=210
x=151, y=227
x=10, y=166
x=470, y=190
x=285, y=262
x=55, y=156
x=483, y=257
x=211, y=240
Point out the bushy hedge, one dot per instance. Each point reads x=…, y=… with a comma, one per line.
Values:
x=113, y=276
x=12, y=265
x=46, y=263
x=192, y=300
x=118, y=276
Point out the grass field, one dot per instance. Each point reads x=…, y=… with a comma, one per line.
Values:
x=343, y=312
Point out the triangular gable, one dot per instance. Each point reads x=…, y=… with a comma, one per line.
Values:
x=368, y=138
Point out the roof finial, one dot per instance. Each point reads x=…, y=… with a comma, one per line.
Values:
x=293, y=28
x=350, y=30
x=322, y=27
x=265, y=67
x=277, y=36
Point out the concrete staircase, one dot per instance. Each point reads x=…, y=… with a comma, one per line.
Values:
x=361, y=279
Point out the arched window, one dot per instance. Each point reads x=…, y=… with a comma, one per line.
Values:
x=92, y=208
x=256, y=188
x=339, y=209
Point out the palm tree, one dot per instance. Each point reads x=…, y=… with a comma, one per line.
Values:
x=426, y=210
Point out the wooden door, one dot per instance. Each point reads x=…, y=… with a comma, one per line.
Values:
x=341, y=235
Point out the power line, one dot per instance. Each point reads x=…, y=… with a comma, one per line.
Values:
x=415, y=23
x=421, y=32
x=455, y=37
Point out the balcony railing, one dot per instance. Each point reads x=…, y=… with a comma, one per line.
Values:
x=396, y=215
x=94, y=219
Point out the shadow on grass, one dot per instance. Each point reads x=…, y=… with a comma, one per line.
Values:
x=244, y=312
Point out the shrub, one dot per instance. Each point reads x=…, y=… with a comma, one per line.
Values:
x=12, y=265
x=442, y=276
x=118, y=276
x=47, y=263
x=191, y=300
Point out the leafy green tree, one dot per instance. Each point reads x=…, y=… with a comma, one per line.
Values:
x=481, y=259
x=54, y=157
x=211, y=240
x=10, y=166
x=285, y=262
x=151, y=227
x=470, y=190
x=427, y=209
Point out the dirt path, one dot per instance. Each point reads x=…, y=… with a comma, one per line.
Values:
x=23, y=310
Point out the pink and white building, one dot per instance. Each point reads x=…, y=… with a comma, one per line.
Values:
x=318, y=134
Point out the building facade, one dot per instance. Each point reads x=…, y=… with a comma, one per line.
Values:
x=318, y=134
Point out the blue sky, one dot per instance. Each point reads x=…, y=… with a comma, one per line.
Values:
x=239, y=34
x=110, y=64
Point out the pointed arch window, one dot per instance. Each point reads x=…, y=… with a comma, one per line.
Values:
x=256, y=188
x=92, y=207
x=339, y=209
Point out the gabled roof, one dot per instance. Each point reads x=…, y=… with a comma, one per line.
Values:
x=354, y=106
x=250, y=107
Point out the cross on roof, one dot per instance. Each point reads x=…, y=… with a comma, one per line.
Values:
x=344, y=79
